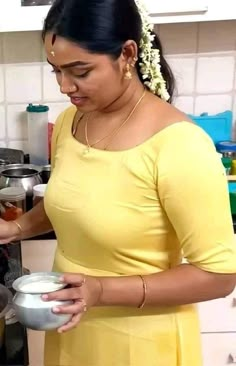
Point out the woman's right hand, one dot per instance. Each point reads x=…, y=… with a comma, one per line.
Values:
x=8, y=232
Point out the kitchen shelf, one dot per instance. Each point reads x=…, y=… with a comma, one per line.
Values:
x=231, y=178
x=14, y=17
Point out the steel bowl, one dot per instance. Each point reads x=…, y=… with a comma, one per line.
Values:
x=31, y=310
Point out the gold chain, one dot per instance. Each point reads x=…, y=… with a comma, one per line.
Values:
x=114, y=133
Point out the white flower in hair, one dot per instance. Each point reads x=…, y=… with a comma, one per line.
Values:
x=150, y=66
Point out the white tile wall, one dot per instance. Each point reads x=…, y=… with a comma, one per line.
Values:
x=185, y=103
x=202, y=56
x=213, y=103
x=23, y=83
x=1, y=84
x=2, y=123
x=51, y=91
x=234, y=105
x=215, y=74
x=184, y=71
x=16, y=121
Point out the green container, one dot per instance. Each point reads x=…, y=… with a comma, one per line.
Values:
x=227, y=162
x=232, y=197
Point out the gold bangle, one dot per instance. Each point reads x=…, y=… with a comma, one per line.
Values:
x=101, y=291
x=19, y=227
x=144, y=293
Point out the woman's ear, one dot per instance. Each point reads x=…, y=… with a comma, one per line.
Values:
x=129, y=53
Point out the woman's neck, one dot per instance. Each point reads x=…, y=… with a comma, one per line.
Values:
x=128, y=98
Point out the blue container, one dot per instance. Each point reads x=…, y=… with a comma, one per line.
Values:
x=232, y=187
x=218, y=127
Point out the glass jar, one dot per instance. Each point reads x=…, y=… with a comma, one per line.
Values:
x=38, y=193
x=12, y=203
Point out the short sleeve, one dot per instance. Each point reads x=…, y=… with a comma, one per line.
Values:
x=193, y=191
x=55, y=134
x=62, y=128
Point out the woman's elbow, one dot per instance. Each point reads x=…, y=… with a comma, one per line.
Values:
x=225, y=284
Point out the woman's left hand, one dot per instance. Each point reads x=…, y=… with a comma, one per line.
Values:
x=85, y=291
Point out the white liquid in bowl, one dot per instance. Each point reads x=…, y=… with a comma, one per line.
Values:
x=40, y=287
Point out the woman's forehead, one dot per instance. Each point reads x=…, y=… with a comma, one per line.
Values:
x=63, y=52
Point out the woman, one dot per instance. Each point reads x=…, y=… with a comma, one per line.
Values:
x=135, y=188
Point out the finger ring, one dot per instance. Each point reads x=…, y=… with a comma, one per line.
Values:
x=85, y=306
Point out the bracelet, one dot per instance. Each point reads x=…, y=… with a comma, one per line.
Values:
x=101, y=291
x=144, y=293
x=19, y=227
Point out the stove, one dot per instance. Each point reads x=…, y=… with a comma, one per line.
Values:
x=15, y=348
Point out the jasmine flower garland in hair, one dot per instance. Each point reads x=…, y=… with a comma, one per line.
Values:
x=150, y=66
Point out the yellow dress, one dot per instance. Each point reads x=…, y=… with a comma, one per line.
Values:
x=135, y=212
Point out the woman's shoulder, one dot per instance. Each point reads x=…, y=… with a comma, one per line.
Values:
x=65, y=120
x=183, y=132
x=66, y=116
x=172, y=129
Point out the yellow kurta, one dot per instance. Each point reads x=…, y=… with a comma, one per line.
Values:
x=135, y=212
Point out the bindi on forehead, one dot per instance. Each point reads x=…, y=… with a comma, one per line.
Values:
x=54, y=37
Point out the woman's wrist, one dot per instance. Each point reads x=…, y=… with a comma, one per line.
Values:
x=100, y=291
x=16, y=229
x=122, y=291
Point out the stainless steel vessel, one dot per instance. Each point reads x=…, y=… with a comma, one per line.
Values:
x=25, y=176
x=20, y=175
x=31, y=310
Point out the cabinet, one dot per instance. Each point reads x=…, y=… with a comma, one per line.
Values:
x=219, y=349
x=172, y=11
x=14, y=17
x=218, y=315
x=218, y=328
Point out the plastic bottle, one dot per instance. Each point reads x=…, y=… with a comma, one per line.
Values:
x=38, y=133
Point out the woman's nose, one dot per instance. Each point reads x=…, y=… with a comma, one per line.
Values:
x=67, y=87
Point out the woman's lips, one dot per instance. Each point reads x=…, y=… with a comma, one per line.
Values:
x=78, y=101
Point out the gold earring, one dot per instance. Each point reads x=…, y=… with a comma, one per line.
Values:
x=52, y=53
x=128, y=75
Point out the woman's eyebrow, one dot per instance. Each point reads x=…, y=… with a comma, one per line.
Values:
x=72, y=64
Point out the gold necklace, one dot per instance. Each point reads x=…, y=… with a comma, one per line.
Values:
x=114, y=133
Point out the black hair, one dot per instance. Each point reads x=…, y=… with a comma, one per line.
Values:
x=102, y=26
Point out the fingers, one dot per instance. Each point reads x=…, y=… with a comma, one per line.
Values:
x=73, y=279
x=63, y=295
x=8, y=240
x=72, y=324
x=73, y=293
x=78, y=308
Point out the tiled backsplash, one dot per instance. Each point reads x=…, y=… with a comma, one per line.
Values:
x=202, y=56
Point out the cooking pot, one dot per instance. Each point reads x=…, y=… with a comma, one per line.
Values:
x=25, y=176
x=3, y=162
x=5, y=304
